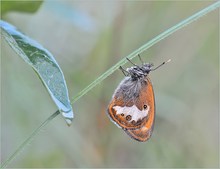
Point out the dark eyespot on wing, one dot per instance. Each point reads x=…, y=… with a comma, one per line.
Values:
x=128, y=117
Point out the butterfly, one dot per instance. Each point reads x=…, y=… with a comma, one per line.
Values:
x=132, y=107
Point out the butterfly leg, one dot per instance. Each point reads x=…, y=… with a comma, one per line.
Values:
x=131, y=62
x=125, y=72
x=139, y=56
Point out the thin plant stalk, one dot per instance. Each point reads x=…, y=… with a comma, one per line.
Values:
x=113, y=69
x=28, y=140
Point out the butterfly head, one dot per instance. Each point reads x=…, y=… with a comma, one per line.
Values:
x=137, y=72
x=146, y=68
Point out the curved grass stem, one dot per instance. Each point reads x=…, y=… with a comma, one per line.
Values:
x=113, y=69
x=28, y=140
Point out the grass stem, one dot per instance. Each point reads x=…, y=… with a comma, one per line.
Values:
x=28, y=140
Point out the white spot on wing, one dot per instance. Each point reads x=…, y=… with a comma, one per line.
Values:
x=133, y=111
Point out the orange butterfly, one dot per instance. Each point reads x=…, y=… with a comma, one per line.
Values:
x=132, y=107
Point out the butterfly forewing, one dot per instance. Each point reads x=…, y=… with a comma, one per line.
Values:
x=131, y=104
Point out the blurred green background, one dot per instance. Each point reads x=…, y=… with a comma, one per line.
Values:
x=87, y=38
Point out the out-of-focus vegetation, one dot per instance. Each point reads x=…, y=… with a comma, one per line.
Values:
x=86, y=39
x=30, y=6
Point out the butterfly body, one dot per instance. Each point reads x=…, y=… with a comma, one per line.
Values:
x=132, y=107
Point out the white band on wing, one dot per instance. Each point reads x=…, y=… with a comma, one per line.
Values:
x=133, y=111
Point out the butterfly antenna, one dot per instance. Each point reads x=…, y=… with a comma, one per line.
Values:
x=161, y=65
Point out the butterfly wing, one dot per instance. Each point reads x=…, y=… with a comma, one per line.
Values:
x=144, y=133
x=131, y=103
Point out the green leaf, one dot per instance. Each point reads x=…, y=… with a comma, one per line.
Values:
x=20, y=6
x=44, y=64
